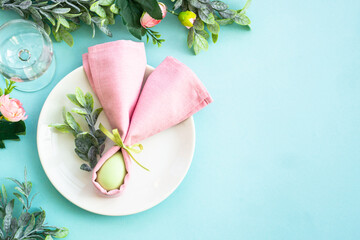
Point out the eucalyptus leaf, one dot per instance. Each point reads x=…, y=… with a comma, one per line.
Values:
x=203, y=33
x=81, y=155
x=24, y=219
x=106, y=2
x=198, y=24
x=242, y=19
x=25, y=4
x=80, y=97
x=62, y=128
x=114, y=9
x=219, y=5
x=206, y=15
x=96, y=114
x=48, y=237
x=200, y=43
x=72, y=98
x=31, y=225
x=79, y=111
x=245, y=8
x=214, y=28
x=72, y=123
x=89, y=101
x=63, y=21
x=66, y=36
x=178, y=4
x=225, y=21
x=51, y=6
x=40, y=220
x=196, y=3
x=13, y=225
x=85, y=167
x=61, y=10
x=228, y=13
x=92, y=156
x=190, y=39
x=100, y=136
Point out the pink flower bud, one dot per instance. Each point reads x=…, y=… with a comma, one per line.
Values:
x=12, y=109
x=148, y=22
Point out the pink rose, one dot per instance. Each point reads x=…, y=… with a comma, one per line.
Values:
x=147, y=21
x=12, y=109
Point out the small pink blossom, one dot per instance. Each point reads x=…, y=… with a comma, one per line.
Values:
x=147, y=21
x=12, y=109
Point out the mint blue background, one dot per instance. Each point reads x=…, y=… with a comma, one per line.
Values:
x=277, y=153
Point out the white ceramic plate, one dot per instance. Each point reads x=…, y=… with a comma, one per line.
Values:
x=168, y=155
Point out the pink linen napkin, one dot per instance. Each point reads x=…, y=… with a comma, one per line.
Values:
x=171, y=94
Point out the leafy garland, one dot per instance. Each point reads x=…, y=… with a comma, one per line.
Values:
x=30, y=225
x=61, y=17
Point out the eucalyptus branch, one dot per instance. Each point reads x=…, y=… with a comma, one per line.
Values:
x=89, y=146
x=30, y=225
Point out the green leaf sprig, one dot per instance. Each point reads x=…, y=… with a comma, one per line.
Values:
x=30, y=225
x=210, y=15
x=88, y=145
x=10, y=85
x=10, y=130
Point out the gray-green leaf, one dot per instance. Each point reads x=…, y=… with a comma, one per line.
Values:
x=72, y=98
x=114, y=9
x=24, y=219
x=25, y=4
x=72, y=123
x=200, y=43
x=190, y=39
x=219, y=5
x=61, y=233
x=106, y=2
x=80, y=97
x=214, y=28
x=96, y=114
x=61, y=10
x=225, y=21
x=89, y=101
x=242, y=19
x=214, y=37
x=66, y=36
x=206, y=15
x=85, y=167
x=31, y=225
x=79, y=111
x=198, y=24
x=62, y=128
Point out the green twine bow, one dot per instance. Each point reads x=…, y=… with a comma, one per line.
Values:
x=115, y=137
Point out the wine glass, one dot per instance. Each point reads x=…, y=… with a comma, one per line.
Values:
x=26, y=55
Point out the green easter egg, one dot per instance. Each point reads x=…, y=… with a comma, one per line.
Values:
x=111, y=174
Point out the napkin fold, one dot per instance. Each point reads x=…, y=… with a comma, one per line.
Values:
x=171, y=94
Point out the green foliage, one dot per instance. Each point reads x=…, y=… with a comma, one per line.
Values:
x=211, y=14
x=10, y=85
x=11, y=131
x=61, y=17
x=89, y=145
x=30, y=224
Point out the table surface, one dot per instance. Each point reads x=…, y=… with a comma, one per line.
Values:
x=277, y=152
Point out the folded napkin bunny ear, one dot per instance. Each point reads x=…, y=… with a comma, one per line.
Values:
x=115, y=71
x=172, y=93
